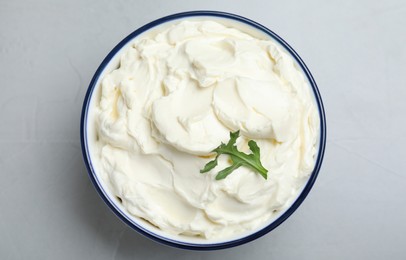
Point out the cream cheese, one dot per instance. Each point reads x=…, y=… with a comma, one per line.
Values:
x=174, y=98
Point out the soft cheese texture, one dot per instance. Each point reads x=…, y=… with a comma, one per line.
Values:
x=175, y=97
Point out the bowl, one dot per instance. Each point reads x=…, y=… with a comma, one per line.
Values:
x=111, y=62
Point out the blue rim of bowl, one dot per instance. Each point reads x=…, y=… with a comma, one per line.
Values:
x=182, y=244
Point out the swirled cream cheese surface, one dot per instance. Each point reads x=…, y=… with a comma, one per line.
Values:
x=174, y=98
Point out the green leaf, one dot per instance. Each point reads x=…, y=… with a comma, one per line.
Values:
x=225, y=172
x=254, y=147
x=252, y=161
x=209, y=166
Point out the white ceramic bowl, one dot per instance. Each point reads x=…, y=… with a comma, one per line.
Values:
x=111, y=62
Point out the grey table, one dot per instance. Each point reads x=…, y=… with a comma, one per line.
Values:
x=49, y=51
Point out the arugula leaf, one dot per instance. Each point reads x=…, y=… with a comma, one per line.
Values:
x=210, y=165
x=238, y=158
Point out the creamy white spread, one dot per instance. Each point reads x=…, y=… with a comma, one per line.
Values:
x=176, y=96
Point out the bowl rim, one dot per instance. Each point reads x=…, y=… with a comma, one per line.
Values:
x=189, y=245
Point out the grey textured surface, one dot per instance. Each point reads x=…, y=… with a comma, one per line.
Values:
x=49, y=51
